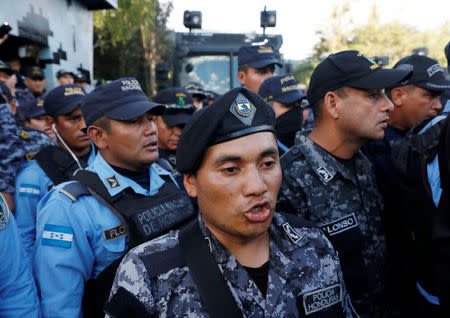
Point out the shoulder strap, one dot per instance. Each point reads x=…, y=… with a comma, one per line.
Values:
x=98, y=190
x=74, y=190
x=288, y=157
x=210, y=283
x=56, y=163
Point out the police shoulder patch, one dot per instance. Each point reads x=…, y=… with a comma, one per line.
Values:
x=4, y=213
x=113, y=182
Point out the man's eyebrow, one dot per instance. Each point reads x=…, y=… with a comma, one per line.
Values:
x=269, y=152
x=225, y=158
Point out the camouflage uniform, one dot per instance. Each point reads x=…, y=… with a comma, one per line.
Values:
x=299, y=270
x=17, y=144
x=325, y=191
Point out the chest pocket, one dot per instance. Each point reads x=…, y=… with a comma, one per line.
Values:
x=322, y=303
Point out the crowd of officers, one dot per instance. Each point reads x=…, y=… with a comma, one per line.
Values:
x=114, y=204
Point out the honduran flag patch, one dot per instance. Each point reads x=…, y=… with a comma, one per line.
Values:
x=57, y=235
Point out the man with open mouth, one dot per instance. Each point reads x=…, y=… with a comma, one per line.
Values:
x=239, y=258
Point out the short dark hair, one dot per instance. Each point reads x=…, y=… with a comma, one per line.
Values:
x=104, y=123
x=317, y=107
x=264, y=70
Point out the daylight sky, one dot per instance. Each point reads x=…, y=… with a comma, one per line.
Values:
x=297, y=20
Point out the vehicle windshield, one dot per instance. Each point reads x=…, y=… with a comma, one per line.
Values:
x=212, y=71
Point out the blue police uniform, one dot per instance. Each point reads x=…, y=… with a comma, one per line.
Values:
x=18, y=296
x=32, y=183
x=71, y=241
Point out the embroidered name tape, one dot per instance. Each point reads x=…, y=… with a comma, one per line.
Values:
x=113, y=233
x=322, y=298
x=57, y=235
x=340, y=225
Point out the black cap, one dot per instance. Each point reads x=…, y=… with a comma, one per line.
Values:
x=63, y=99
x=195, y=89
x=122, y=99
x=32, y=108
x=35, y=72
x=173, y=96
x=282, y=89
x=80, y=78
x=62, y=72
x=426, y=73
x=4, y=67
x=257, y=56
x=238, y=113
x=352, y=69
x=179, y=106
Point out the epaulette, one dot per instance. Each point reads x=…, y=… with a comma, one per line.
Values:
x=74, y=190
x=161, y=262
x=288, y=157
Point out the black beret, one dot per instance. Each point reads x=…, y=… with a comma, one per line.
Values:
x=238, y=113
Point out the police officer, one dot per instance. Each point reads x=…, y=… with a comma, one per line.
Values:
x=17, y=288
x=170, y=125
x=415, y=100
x=326, y=178
x=17, y=144
x=64, y=77
x=32, y=114
x=81, y=79
x=121, y=200
x=282, y=94
x=198, y=94
x=238, y=258
x=53, y=164
x=255, y=64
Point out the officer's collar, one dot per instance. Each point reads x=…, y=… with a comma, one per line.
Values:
x=116, y=183
x=322, y=162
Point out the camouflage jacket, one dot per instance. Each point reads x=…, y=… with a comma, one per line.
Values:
x=322, y=189
x=17, y=144
x=304, y=277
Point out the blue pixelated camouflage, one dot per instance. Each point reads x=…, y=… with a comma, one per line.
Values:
x=322, y=189
x=16, y=145
x=297, y=272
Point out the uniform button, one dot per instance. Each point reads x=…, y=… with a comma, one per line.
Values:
x=295, y=151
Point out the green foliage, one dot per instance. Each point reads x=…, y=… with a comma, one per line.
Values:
x=395, y=40
x=130, y=41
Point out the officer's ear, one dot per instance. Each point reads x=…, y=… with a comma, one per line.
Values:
x=49, y=120
x=190, y=184
x=331, y=104
x=242, y=77
x=98, y=136
x=398, y=96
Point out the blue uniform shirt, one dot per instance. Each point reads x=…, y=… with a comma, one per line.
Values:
x=18, y=296
x=31, y=185
x=70, y=244
x=433, y=173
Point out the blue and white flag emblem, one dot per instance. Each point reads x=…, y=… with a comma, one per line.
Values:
x=57, y=235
